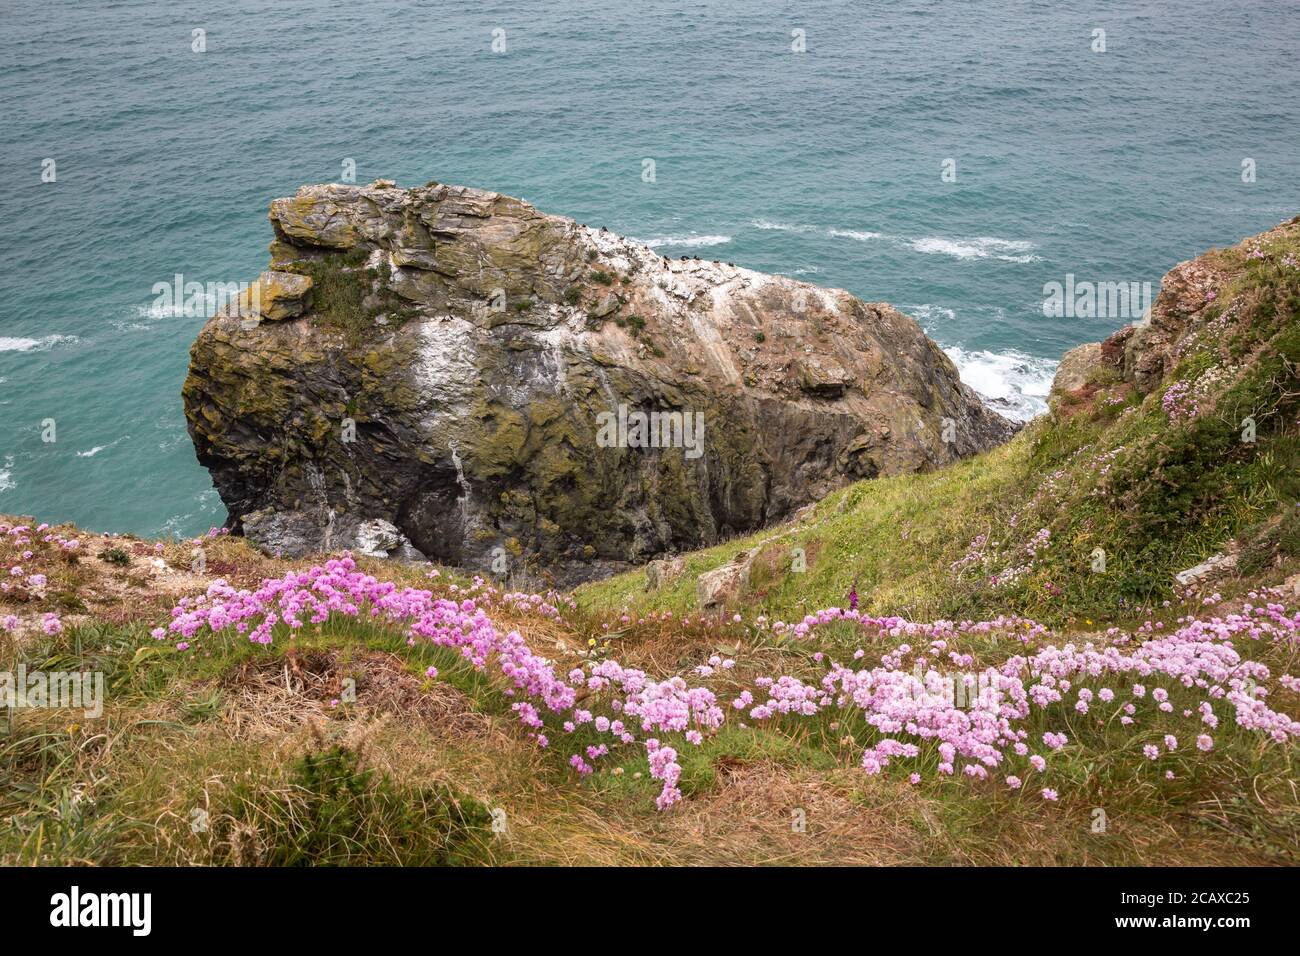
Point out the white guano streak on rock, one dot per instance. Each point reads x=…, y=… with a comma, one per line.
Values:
x=557, y=339
x=444, y=371
x=710, y=339
x=461, y=481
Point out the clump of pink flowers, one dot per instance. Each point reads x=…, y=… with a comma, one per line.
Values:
x=1179, y=402
x=925, y=698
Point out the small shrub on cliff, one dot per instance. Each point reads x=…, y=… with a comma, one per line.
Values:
x=338, y=291
x=335, y=813
x=350, y=297
x=117, y=556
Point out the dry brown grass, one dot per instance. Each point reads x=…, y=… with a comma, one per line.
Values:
x=767, y=814
x=269, y=696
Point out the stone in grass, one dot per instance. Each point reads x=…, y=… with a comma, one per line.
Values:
x=661, y=572
x=724, y=585
x=1213, y=566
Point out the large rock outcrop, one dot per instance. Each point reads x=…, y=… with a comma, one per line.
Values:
x=448, y=365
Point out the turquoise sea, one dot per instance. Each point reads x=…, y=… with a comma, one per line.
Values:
x=824, y=164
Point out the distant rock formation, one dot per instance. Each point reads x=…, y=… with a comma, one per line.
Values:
x=450, y=372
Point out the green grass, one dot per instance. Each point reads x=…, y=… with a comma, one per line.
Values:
x=75, y=790
x=883, y=534
x=331, y=811
x=126, y=789
x=341, y=285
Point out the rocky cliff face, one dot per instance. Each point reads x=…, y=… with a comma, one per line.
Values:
x=450, y=372
x=1193, y=309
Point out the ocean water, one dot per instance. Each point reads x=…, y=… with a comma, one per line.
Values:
x=824, y=164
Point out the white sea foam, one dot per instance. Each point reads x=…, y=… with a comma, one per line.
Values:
x=92, y=452
x=33, y=345
x=689, y=242
x=781, y=226
x=156, y=310
x=6, y=474
x=981, y=247
x=929, y=315
x=1011, y=382
x=857, y=234
x=122, y=326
